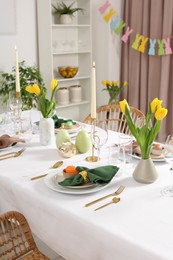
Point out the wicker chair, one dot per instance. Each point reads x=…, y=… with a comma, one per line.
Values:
x=115, y=119
x=16, y=240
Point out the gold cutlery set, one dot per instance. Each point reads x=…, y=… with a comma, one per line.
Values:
x=12, y=154
x=114, y=200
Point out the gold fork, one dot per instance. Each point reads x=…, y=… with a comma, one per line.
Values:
x=12, y=154
x=117, y=192
x=2, y=155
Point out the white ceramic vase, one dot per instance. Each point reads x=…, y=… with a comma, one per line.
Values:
x=47, y=133
x=145, y=171
x=66, y=19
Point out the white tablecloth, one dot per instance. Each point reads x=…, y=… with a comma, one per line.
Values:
x=140, y=226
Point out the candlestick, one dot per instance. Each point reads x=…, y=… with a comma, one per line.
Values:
x=93, y=92
x=17, y=74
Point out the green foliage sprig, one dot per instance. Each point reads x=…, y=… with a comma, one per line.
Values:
x=28, y=76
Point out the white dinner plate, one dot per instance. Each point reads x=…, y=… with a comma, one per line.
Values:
x=76, y=127
x=51, y=181
x=154, y=159
x=7, y=148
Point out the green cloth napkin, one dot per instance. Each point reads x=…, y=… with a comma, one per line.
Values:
x=59, y=121
x=99, y=175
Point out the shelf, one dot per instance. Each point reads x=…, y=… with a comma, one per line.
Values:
x=71, y=52
x=66, y=45
x=70, y=26
x=73, y=104
x=73, y=79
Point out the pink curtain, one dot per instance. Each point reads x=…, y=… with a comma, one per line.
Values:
x=149, y=76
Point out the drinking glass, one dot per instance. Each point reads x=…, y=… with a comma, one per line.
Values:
x=24, y=129
x=14, y=111
x=99, y=135
x=15, y=107
x=168, y=191
x=113, y=157
x=125, y=151
x=21, y=120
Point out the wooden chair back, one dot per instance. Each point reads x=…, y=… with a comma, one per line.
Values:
x=115, y=118
x=16, y=239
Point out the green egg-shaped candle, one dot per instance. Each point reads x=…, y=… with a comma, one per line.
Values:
x=62, y=137
x=69, y=123
x=82, y=142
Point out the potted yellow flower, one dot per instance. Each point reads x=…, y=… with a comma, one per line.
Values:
x=114, y=89
x=47, y=108
x=145, y=136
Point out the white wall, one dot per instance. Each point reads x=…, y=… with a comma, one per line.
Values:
x=106, y=47
x=24, y=37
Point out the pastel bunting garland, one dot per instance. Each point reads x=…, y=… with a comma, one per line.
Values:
x=140, y=43
x=125, y=37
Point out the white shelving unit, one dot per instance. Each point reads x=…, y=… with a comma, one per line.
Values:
x=66, y=45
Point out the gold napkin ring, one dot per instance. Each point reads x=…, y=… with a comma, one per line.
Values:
x=85, y=176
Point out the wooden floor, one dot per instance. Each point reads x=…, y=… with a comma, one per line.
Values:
x=46, y=250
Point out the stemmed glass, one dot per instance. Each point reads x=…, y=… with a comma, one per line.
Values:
x=99, y=135
x=168, y=191
x=15, y=110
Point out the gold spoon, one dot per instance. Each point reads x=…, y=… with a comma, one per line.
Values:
x=114, y=200
x=54, y=166
x=117, y=192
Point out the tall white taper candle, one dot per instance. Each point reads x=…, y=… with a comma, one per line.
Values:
x=17, y=71
x=93, y=92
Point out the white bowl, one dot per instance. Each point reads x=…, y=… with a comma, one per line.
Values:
x=68, y=175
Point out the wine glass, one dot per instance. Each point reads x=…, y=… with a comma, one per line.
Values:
x=99, y=135
x=168, y=191
x=15, y=107
x=14, y=111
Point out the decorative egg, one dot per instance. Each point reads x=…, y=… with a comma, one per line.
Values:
x=70, y=171
x=69, y=123
x=62, y=137
x=83, y=141
x=157, y=149
x=67, y=149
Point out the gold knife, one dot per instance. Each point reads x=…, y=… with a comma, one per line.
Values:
x=38, y=177
x=55, y=166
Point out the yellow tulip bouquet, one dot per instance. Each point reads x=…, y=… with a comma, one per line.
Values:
x=46, y=106
x=114, y=89
x=145, y=135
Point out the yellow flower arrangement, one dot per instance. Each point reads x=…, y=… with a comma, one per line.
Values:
x=46, y=106
x=145, y=135
x=114, y=89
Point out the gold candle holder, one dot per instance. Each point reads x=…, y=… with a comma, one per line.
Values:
x=18, y=95
x=93, y=158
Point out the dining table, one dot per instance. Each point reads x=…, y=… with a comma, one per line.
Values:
x=139, y=226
